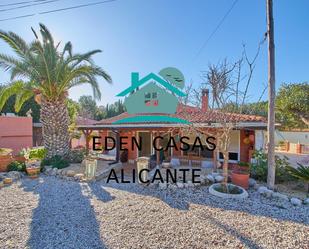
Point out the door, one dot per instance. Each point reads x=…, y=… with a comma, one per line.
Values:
x=145, y=137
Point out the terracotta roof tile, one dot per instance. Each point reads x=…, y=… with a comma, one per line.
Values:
x=85, y=121
x=194, y=115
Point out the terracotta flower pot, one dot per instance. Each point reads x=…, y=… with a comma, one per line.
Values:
x=240, y=179
x=21, y=159
x=7, y=180
x=33, y=169
x=33, y=172
x=5, y=160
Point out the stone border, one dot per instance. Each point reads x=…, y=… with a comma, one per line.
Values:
x=270, y=194
x=214, y=192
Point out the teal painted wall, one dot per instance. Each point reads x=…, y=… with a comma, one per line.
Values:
x=166, y=102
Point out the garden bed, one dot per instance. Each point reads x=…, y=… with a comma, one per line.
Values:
x=228, y=191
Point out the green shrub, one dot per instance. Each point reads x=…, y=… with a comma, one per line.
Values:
x=222, y=188
x=17, y=166
x=301, y=172
x=259, y=169
x=77, y=156
x=33, y=153
x=38, y=153
x=5, y=151
x=244, y=164
x=55, y=162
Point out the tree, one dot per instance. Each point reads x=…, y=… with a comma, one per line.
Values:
x=88, y=107
x=228, y=97
x=114, y=109
x=219, y=78
x=293, y=103
x=30, y=104
x=42, y=70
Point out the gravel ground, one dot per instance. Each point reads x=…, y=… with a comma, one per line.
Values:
x=53, y=213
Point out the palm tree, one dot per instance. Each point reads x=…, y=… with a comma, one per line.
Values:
x=41, y=69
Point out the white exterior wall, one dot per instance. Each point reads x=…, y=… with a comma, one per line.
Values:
x=260, y=139
x=295, y=137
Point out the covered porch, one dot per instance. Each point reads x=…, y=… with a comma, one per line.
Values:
x=243, y=142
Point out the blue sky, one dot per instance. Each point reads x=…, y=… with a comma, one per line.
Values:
x=148, y=35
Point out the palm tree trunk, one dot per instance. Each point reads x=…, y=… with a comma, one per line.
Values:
x=55, y=121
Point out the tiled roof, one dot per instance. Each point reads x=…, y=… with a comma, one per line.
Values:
x=85, y=121
x=194, y=115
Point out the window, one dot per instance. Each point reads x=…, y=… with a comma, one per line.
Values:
x=151, y=99
x=233, y=156
x=205, y=153
x=147, y=102
x=234, y=150
x=147, y=95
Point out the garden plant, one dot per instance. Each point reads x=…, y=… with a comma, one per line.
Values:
x=46, y=70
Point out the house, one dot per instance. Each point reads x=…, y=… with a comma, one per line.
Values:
x=153, y=110
x=15, y=132
x=293, y=141
x=80, y=139
x=77, y=141
x=151, y=98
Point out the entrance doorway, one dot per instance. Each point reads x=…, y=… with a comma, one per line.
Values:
x=145, y=137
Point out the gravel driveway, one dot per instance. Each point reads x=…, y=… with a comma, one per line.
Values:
x=53, y=213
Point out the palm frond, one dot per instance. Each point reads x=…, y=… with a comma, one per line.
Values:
x=20, y=42
x=52, y=72
x=10, y=90
x=21, y=98
x=7, y=61
x=35, y=34
x=14, y=41
x=78, y=58
x=46, y=35
x=91, y=81
x=67, y=48
x=301, y=172
x=100, y=72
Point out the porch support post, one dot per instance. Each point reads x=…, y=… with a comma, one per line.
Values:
x=117, y=145
x=157, y=152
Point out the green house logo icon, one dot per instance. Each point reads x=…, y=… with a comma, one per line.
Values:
x=154, y=94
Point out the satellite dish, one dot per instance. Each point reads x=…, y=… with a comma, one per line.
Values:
x=173, y=76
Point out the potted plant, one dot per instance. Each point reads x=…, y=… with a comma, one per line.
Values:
x=20, y=157
x=33, y=166
x=240, y=175
x=5, y=158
